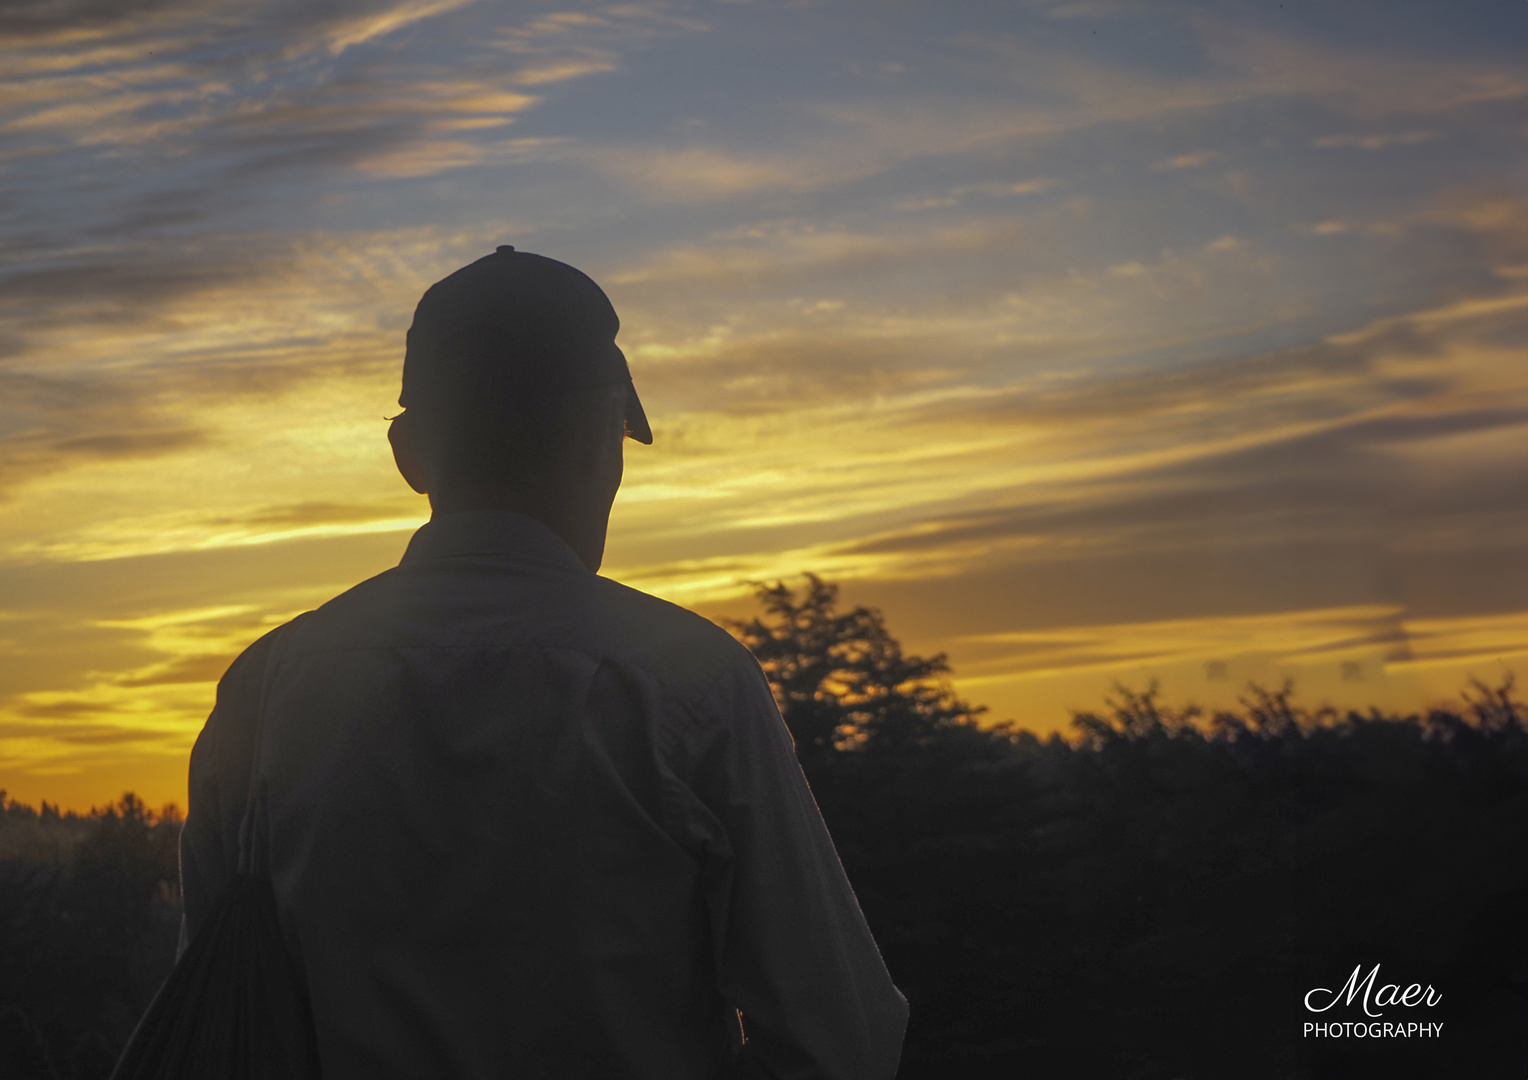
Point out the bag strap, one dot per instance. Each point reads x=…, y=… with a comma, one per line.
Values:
x=254, y=826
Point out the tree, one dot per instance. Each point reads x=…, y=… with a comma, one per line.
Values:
x=843, y=683
x=1134, y=715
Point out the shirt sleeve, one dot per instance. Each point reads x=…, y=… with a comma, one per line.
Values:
x=217, y=787
x=791, y=947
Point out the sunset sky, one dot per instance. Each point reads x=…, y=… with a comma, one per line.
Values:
x=1091, y=341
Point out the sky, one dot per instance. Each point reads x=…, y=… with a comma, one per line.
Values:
x=1093, y=342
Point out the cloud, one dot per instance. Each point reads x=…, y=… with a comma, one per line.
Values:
x=1026, y=90
x=1375, y=142
x=54, y=413
x=196, y=310
x=1185, y=161
x=1474, y=637
x=43, y=422
x=127, y=444
x=555, y=71
x=125, y=283
x=423, y=158
x=82, y=734
x=363, y=26
x=1323, y=486
x=563, y=33
x=780, y=315
x=1029, y=89
x=785, y=254
x=1494, y=217
x=1337, y=459
x=335, y=26
x=318, y=513
x=1080, y=9
x=1368, y=82
x=244, y=95
x=1286, y=636
x=62, y=708
x=1029, y=187
x=782, y=371
x=703, y=172
x=388, y=125
x=73, y=20
x=994, y=189
x=204, y=668
x=123, y=353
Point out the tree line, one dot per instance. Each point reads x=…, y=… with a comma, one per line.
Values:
x=1153, y=897
x=1150, y=898
x=89, y=918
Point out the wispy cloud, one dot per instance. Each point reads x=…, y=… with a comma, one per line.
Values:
x=1375, y=142
x=1371, y=81
x=1185, y=161
x=362, y=26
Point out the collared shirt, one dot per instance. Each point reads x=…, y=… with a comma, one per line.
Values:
x=525, y=821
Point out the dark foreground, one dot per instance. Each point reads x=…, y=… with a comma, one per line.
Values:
x=1151, y=900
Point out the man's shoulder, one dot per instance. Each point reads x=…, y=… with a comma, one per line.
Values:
x=250, y=666
x=673, y=642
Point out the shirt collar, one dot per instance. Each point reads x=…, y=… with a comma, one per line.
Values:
x=491, y=532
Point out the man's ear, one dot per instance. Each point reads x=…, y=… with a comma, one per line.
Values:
x=401, y=438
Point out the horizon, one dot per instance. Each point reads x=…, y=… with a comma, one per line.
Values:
x=1089, y=345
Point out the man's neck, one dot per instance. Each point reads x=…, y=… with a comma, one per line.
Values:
x=580, y=531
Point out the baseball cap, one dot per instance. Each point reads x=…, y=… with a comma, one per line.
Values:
x=514, y=326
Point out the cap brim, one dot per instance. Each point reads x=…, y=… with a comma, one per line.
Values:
x=637, y=426
x=636, y=419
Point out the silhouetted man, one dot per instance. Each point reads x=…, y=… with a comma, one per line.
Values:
x=525, y=821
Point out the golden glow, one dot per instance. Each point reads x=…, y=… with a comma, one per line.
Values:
x=1014, y=341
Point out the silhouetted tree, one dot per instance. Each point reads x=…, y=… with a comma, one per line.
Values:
x=843, y=683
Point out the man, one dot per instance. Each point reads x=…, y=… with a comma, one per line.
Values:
x=524, y=821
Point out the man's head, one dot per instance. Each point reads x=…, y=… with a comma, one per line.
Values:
x=516, y=396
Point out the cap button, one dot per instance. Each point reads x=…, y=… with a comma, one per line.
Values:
x=505, y=249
